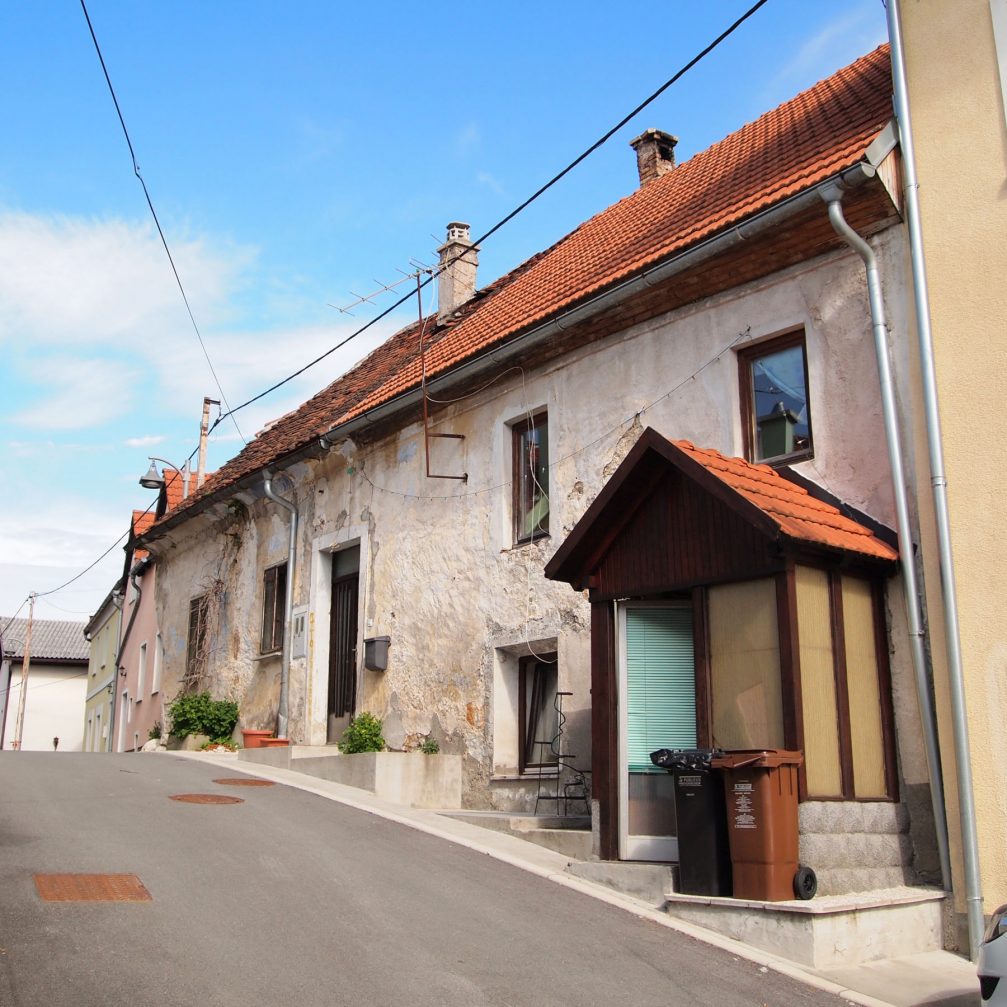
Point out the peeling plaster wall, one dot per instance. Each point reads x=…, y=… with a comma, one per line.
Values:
x=439, y=573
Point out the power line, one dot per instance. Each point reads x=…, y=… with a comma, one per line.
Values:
x=702, y=54
x=153, y=213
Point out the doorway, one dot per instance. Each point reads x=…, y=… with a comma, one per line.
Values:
x=343, y=642
x=657, y=704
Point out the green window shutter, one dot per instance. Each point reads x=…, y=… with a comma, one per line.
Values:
x=661, y=683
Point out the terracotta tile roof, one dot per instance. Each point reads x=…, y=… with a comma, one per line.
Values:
x=805, y=141
x=51, y=639
x=795, y=512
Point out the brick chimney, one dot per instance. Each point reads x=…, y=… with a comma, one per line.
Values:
x=655, y=153
x=456, y=283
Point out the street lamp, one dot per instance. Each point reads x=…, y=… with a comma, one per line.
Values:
x=154, y=480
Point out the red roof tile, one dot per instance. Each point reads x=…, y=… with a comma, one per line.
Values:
x=805, y=141
x=795, y=512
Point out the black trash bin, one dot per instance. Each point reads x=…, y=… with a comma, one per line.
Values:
x=704, y=852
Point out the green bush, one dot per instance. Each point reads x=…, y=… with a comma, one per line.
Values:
x=200, y=713
x=430, y=747
x=363, y=735
x=154, y=734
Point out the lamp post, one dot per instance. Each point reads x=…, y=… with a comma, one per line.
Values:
x=154, y=480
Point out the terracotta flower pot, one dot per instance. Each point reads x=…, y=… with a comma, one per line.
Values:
x=255, y=739
x=275, y=742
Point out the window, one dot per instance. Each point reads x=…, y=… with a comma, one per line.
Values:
x=155, y=680
x=776, y=420
x=531, y=479
x=274, y=597
x=538, y=723
x=141, y=673
x=195, y=654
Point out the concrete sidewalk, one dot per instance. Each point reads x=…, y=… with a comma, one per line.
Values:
x=935, y=979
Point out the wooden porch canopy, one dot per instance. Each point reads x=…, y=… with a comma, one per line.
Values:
x=677, y=522
x=674, y=516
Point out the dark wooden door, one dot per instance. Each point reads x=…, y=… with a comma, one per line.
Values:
x=343, y=646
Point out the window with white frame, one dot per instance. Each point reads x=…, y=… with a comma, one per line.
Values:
x=531, y=478
x=155, y=679
x=141, y=672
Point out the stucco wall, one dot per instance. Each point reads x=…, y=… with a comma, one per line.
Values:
x=100, y=675
x=54, y=704
x=147, y=708
x=439, y=574
x=961, y=145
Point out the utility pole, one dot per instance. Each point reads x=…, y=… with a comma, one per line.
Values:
x=204, y=429
x=19, y=728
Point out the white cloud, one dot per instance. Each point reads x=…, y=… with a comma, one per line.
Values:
x=467, y=140
x=147, y=441
x=837, y=43
x=78, y=393
x=491, y=183
x=66, y=281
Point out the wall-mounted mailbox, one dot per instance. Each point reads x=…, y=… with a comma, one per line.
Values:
x=376, y=653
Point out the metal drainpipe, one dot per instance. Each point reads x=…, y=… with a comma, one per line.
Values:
x=288, y=609
x=906, y=551
x=938, y=481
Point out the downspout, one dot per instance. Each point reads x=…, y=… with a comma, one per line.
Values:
x=288, y=607
x=138, y=568
x=939, y=483
x=906, y=553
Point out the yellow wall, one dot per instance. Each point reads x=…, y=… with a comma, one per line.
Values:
x=961, y=148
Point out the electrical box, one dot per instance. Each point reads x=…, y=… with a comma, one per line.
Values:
x=299, y=632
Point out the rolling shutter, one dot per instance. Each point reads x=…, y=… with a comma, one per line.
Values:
x=661, y=683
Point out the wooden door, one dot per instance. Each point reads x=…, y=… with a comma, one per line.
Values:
x=343, y=646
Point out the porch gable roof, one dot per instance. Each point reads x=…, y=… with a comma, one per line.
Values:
x=772, y=506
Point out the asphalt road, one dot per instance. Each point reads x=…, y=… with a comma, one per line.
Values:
x=292, y=899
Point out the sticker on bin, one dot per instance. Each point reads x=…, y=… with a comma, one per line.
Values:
x=690, y=781
x=743, y=786
x=744, y=812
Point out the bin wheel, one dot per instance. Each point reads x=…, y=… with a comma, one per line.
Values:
x=805, y=883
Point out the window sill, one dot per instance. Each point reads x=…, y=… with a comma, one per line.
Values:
x=779, y=461
x=529, y=541
x=272, y=655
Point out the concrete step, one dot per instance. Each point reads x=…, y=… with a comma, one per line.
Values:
x=826, y=931
x=648, y=882
x=568, y=835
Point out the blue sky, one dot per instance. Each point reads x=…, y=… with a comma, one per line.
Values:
x=296, y=153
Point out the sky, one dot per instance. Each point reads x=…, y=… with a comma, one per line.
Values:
x=298, y=155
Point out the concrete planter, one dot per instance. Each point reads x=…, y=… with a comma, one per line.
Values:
x=191, y=743
x=422, y=781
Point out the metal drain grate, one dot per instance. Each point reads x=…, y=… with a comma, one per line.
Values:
x=245, y=781
x=90, y=888
x=206, y=799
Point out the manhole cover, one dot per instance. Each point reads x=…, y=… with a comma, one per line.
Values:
x=206, y=799
x=245, y=781
x=91, y=888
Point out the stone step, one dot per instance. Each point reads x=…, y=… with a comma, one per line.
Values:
x=825, y=931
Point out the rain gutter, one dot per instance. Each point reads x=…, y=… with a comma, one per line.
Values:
x=288, y=602
x=849, y=178
x=939, y=483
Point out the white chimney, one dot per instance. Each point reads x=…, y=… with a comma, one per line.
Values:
x=655, y=154
x=456, y=282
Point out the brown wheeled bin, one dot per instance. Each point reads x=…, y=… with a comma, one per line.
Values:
x=760, y=787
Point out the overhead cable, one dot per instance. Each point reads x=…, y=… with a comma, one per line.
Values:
x=157, y=223
x=702, y=54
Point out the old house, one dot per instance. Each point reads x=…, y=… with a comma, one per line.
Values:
x=418, y=500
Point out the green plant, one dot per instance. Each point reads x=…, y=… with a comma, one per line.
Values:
x=200, y=713
x=363, y=735
x=154, y=733
x=430, y=747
